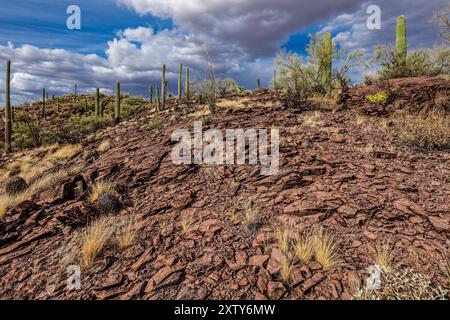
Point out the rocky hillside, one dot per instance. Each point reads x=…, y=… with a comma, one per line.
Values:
x=348, y=195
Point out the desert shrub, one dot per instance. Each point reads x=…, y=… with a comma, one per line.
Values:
x=441, y=19
x=129, y=106
x=422, y=62
x=429, y=131
x=300, y=78
x=379, y=97
x=225, y=87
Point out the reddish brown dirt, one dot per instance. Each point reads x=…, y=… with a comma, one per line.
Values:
x=415, y=94
x=362, y=185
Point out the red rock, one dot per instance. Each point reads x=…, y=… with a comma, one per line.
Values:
x=439, y=224
x=260, y=297
x=258, y=260
x=275, y=290
x=312, y=282
x=339, y=139
x=159, y=277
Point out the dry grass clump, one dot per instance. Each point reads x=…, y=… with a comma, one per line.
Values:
x=384, y=257
x=285, y=269
x=10, y=201
x=100, y=188
x=429, y=131
x=326, y=103
x=126, y=233
x=404, y=285
x=313, y=119
x=304, y=245
x=250, y=216
x=104, y=146
x=326, y=248
x=284, y=239
x=65, y=153
x=94, y=238
x=186, y=222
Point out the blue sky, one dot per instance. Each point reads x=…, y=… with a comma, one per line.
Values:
x=42, y=23
x=129, y=40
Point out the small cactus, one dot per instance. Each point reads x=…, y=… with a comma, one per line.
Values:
x=163, y=86
x=401, y=44
x=8, y=110
x=108, y=203
x=15, y=185
x=43, y=103
x=186, y=85
x=97, y=102
x=117, y=108
x=180, y=76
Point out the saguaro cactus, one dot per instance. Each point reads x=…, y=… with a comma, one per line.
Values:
x=163, y=86
x=8, y=113
x=326, y=61
x=258, y=84
x=180, y=76
x=150, y=98
x=401, y=43
x=97, y=102
x=157, y=102
x=186, y=85
x=43, y=103
x=117, y=108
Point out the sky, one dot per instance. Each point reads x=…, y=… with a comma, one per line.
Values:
x=129, y=40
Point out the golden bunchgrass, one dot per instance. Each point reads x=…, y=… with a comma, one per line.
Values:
x=99, y=188
x=326, y=248
x=304, y=245
x=94, y=238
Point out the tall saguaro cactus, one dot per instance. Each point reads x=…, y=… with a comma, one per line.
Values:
x=97, y=102
x=258, y=83
x=186, y=85
x=117, y=108
x=401, y=44
x=180, y=75
x=326, y=61
x=150, y=98
x=163, y=86
x=8, y=112
x=43, y=103
x=157, y=102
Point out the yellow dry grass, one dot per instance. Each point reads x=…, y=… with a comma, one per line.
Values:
x=384, y=257
x=284, y=237
x=94, y=238
x=99, y=188
x=104, y=146
x=10, y=201
x=313, y=119
x=65, y=153
x=429, y=130
x=304, y=245
x=326, y=248
x=126, y=233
